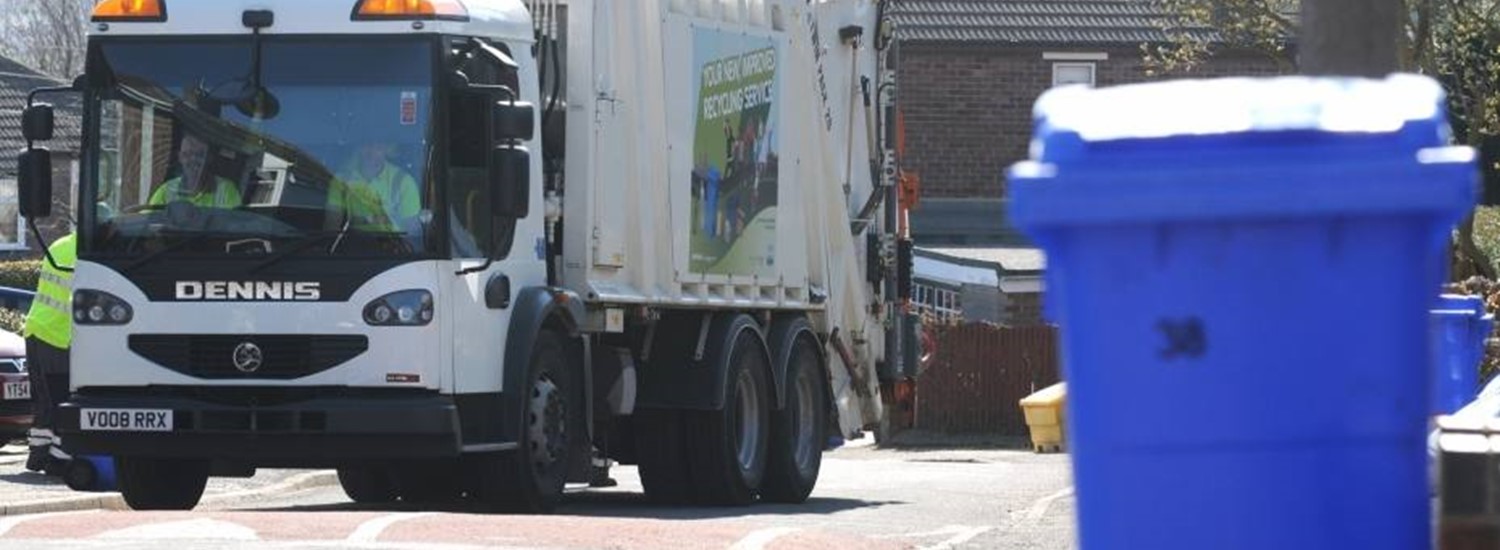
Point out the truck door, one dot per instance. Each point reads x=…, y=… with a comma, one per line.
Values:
x=479, y=327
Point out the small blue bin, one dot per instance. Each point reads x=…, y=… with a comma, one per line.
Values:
x=1242, y=270
x=1459, y=328
x=91, y=473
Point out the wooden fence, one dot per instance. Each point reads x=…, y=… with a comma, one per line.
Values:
x=973, y=382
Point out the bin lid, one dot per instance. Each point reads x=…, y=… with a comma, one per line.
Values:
x=1226, y=147
x=1470, y=303
x=1048, y=396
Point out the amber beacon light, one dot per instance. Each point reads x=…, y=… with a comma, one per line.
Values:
x=130, y=10
x=449, y=10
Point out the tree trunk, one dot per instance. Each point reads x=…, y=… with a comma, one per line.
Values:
x=1349, y=37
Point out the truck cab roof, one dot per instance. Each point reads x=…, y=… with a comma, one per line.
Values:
x=496, y=19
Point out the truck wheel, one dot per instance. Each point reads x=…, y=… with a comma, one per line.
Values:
x=727, y=448
x=368, y=485
x=798, y=430
x=161, y=484
x=530, y=479
x=660, y=456
x=430, y=482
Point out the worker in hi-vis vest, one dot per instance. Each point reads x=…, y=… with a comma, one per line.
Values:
x=374, y=194
x=49, y=334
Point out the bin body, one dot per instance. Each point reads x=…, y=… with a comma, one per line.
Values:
x=1242, y=292
x=1044, y=417
x=1455, y=363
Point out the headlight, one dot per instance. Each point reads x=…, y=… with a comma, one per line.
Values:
x=405, y=308
x=93, y=307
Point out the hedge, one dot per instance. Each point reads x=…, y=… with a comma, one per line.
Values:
x=12, y=320
x=22, y=274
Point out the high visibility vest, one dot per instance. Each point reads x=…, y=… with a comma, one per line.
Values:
x=224, y=195
x=51, y=317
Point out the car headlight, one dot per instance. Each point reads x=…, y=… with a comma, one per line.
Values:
x=411, y=308
x=93, y=307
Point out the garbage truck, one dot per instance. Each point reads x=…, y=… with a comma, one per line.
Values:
x=481, y=249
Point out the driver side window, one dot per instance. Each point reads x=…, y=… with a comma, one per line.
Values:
x=477, y=233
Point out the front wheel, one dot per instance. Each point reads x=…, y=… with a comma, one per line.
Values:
x=530, y=478
x=368, y=485
x=161, y=484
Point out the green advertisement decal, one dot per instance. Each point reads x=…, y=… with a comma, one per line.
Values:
x=735, y=154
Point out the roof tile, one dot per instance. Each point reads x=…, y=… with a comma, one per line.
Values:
x=1096, y=22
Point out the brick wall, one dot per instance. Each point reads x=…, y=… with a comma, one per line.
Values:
x=968, y=108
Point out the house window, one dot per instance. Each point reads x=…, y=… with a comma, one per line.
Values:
x=12, y=236
x=1072, y=72
x=940, y=303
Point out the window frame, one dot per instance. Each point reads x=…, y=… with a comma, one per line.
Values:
x=1093, y=68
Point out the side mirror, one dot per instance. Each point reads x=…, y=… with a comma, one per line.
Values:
x=37, y=123
x=35, y=183
x=510, y=186
x=515, y=121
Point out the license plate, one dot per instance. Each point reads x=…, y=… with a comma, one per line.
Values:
x=125, y=420
x=17, y=390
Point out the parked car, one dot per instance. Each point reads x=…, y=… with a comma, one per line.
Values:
x=16, y=298
x=15, y=388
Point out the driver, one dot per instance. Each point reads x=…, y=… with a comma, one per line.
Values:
x=191, y=186
x=376, y=194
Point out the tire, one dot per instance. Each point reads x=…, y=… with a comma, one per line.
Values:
x=727, y=448
x=161, y=484
x=530, y=479
x=430, y=483
x=662, y=460
x=368, y=485
x=798, y=430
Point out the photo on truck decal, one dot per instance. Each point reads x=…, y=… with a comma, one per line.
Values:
x=735, y=152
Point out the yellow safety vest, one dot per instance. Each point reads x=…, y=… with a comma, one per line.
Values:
x=224, y=195
x=51, y=317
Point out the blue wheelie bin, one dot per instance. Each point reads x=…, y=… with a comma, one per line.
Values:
x=1459, y=328
x=1242, y=271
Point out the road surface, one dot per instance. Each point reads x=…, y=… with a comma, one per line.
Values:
x=866, y=498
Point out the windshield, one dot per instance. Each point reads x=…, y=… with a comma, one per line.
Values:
x=207, y=148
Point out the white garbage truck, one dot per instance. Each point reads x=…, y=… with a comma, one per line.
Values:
x=480, y=249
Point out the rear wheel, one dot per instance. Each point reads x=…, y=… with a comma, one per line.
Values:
x=727, y=448
x=798, y=430
x=368, y=485
x=530, y=478
x=161, y=484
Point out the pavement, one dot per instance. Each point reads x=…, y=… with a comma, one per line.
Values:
x=868, y=498
x=26, y=492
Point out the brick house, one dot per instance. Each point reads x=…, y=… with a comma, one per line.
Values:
x=16, y=81
x=970, y=72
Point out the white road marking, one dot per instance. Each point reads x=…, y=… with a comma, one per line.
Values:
x=1039, y=508
x=189, y=529
x=370, y=530
x=8, y=523
x=759, y=538
x=961, y=536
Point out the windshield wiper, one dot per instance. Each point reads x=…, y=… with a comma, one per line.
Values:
x=296, y=247
x=316, y=238
x=189, y=239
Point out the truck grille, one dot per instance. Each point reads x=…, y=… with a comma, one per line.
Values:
x=281, y=357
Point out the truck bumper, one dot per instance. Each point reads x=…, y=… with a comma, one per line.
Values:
x=312, y=432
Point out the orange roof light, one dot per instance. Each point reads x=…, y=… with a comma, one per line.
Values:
x=130, y=10
x=407, y=10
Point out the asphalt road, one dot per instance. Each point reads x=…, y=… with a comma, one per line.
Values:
x=866, y=498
